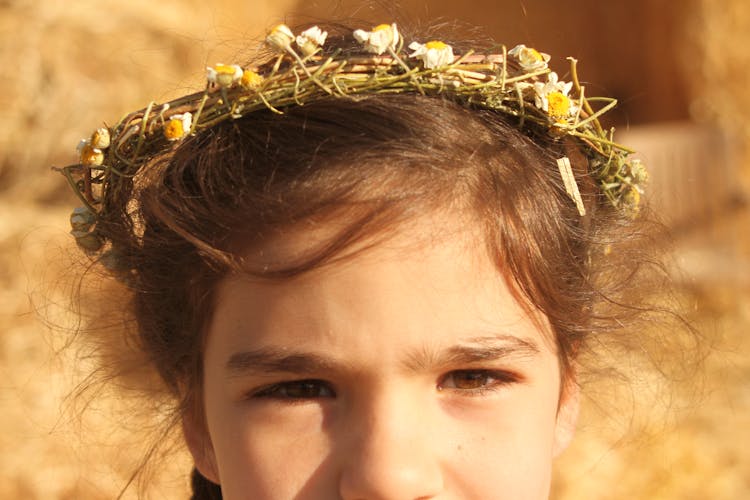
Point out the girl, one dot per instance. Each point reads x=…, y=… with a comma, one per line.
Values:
x=368, y=267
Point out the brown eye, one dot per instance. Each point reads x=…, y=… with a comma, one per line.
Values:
x=470, y=379
x=476, y=381
x=297, y=389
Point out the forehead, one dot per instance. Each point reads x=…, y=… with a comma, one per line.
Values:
x=351, y=229
x=427, y=283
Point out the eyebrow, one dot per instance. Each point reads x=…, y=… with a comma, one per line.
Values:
x=474, y=350
x=270, y=360
x=278, y=360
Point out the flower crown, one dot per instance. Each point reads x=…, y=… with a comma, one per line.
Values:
x=516, y=82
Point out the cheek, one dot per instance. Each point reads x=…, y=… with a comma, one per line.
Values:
x=266, y=453
x=507, y=449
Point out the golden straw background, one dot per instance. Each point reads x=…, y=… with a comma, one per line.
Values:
x=681, y=71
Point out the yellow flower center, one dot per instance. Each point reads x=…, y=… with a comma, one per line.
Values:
x=251, y=79
x=174, y=129
x=382, y=27
x=436, y=45
x=558, y=105
x=224, y=69
x=534, y=54
x=226, y=74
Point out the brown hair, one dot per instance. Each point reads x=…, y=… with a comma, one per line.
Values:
x=375, y=162
x=372, y=163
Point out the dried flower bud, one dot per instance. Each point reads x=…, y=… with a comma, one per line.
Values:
x=251, y=80
x=100, y=138
x=88, y=154
x=280, y=38
x=82, y=219
x=632, y=200
x=638, y=171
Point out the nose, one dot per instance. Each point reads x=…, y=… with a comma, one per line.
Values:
x=391, y=452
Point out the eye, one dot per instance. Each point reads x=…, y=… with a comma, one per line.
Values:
x=476, y=381
x=297, y=389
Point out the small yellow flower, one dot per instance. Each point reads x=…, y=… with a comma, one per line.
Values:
x=88, y=154
x=178, y=126
x=432, y=54
x=638, y=171
x=280, y=37
x=530, y=59
x=224, y=75
x=251, y=80
x=632, y=200
x=311, y=39
x=552, y=98
x=100, y=138
x=380, y=39
x=558, y=105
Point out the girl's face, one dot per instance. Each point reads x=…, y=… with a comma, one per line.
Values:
x=405, y=372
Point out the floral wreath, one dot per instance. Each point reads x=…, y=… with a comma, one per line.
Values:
x=516, y=82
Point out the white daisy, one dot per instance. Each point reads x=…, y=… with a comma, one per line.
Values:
x=310, y=39
x=530, y=59
x=224, y=75
x=178, y=126
x=552, y=98
x=380, y=39
x=432, y=54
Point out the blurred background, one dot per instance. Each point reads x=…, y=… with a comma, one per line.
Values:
x=681, y=71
